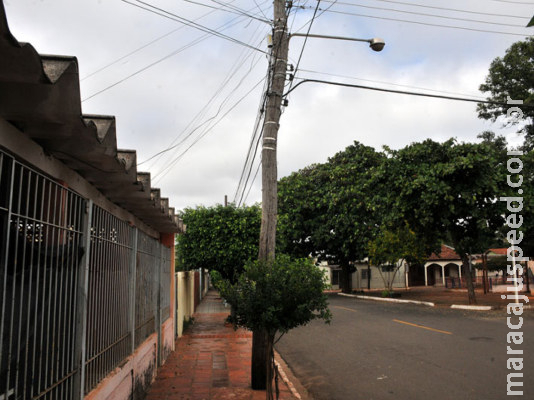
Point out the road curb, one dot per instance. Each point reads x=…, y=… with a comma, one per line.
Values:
x=472, y=308
x=424, y=303
x=291, y=381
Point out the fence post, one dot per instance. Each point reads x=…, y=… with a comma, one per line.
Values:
x=81, y=303
x=132, y=277
x=158, y=303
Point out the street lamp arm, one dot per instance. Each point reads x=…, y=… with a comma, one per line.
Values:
x=311, y=35
x=376, y=44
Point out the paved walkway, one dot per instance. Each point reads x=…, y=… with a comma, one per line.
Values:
x=211, y=361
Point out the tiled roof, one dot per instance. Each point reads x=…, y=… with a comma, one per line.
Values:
x=447, y=253
x=40, y=96
x=501, y=252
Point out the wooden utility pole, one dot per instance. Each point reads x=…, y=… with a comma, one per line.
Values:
x=271, y=123
x=269, y=208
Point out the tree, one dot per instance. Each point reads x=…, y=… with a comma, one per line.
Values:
x=450, y=190
x=512, y=76
x=394, y=247
x=275, y=297
x=221, y=238
x=327, y=211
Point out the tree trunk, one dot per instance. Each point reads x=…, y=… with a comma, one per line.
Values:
x=469, y=280
x=260, y=358
x=345, y=279
x=270, y=395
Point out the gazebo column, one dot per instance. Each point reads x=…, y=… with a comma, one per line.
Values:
x=443, y=274
x=426, y=275
x=460, y=270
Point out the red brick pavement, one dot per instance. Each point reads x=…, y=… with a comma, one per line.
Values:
x=211, y=361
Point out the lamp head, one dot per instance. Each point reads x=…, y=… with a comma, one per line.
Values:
x=377, y=44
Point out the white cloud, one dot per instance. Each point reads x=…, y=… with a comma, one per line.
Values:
x=155, y=106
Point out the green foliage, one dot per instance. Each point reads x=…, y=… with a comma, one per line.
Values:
x=498, y=263
x=219, y=238
x=449, y=190
x=513, y=76
x=276, y=296
x=326, y=210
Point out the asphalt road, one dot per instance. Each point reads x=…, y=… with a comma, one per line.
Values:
x=376, y=351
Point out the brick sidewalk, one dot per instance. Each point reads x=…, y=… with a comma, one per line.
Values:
x=211, y=361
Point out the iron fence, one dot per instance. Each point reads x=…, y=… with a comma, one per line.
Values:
x=108, y=331
x=40, y=232
x=78, y=287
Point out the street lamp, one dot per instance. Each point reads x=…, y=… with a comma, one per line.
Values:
x=376, y=44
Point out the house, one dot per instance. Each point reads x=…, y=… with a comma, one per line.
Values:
x=439, y=267
x=365, y=276
x=86, y=244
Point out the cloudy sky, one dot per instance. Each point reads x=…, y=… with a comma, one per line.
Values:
x=189, y=76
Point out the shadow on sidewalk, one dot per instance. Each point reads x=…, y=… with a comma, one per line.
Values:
x=211, y=360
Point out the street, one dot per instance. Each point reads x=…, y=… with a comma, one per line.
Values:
x=376, y=351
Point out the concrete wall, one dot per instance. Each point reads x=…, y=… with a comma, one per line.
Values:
x=133, y=377
x=185, y=299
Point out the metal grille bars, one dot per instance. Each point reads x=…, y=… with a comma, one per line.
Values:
x=78, y=287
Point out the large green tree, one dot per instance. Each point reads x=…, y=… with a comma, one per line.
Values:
x=221, y=238
x=450, y=190
x=327, y=211
x=512, y=76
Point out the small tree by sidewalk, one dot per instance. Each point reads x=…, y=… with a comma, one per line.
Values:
x=393, y=247
x=272, y=298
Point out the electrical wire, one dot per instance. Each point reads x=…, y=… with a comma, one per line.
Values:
x=514, y=2
x=439, y=8
x=185, y=21
x=436, y=96
x=252, y=183
x=226, y=8
x=160, y=175
x=272, y=62
x=428, y=24
x=306, y=39
x=225, y=26
x=239, y=10
x=238, y=64
x=209, y=120
x=389, y=83
x=434, y=15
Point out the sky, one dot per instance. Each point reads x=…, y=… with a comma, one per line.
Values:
x=186, y=78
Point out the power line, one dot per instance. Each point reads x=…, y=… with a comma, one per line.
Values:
x=166, y=170
x=437, y=96
x=189, y=23
x=239, y=10
x=428, y=24
x=440, y=8
x=237, y=65
x=386, y=83
x=514, y=2
x=252, y=183
x=434, y=15
x=306, y=39
x=226, y=8
x=227, y=25
x=272, y=66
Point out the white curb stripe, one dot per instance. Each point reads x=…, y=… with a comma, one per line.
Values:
x=425, y=303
